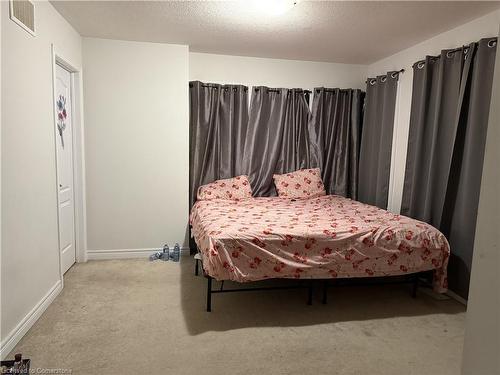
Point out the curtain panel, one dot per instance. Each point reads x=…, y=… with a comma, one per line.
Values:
x=218, y=119
x=448, y=124
x=277, y=136
x=335, y=136
x=376, y=143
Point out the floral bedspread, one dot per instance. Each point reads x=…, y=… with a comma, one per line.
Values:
x=324, y=237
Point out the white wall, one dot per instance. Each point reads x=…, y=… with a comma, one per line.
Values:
x=30, y=255
x=482, y=331
x=486, y=26
x=254, y=71
x=136, y=144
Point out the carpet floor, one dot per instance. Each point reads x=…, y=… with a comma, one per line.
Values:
x=134, y=316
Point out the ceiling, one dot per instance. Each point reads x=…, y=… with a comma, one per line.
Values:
x=355, y=32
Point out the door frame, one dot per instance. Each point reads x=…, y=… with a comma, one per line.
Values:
x=79, y=198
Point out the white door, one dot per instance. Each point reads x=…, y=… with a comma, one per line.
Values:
x=64, y=150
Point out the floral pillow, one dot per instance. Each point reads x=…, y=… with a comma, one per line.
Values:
x=235, y=188
x=304, y=183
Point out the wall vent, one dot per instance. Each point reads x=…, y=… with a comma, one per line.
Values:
x=22, y=12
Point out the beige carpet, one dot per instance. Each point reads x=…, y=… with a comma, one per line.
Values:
x=135, y=317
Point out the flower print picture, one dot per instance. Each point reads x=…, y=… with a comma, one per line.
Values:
x=61, y=117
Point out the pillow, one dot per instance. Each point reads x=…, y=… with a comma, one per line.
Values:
x=304, y=183
x=231, y=188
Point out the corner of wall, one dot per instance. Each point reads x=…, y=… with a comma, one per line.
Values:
x=482, y=325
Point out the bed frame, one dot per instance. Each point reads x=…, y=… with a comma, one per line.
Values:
x=413, y=279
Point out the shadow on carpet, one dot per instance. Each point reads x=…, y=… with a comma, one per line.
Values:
x=288, y=308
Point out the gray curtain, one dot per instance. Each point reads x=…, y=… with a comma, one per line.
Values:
x=448, y=124
x=376, y=142
x=335, y=134
x=277, y=136
x=218, y=119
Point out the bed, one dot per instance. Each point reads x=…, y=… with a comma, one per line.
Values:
x=328, y=237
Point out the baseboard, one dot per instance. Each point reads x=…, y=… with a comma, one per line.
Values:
x=22, y=328
x=456, y=297
x=125, y=253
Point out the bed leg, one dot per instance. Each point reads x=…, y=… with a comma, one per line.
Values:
x=414, y=287
x=310, y=293
x=325, y=292
x=196, y=271
x=209, y=293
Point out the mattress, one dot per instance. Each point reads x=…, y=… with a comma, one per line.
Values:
x=318, y=238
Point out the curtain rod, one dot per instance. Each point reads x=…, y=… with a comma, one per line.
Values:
x=223, y=86
x=394, y=74
x=217, y=86
x=279, y=90
x=449, y=53
x=234, y=87
x=333, y=90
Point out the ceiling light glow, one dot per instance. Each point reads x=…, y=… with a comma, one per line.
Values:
x=273, y=7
